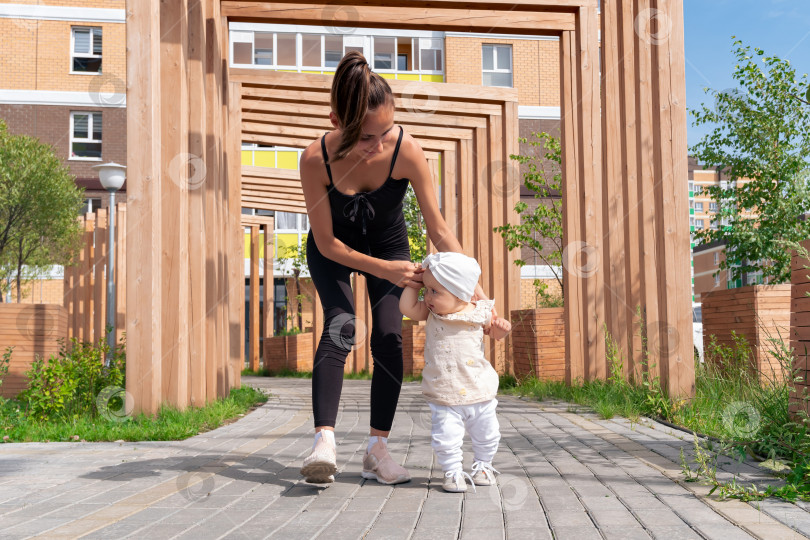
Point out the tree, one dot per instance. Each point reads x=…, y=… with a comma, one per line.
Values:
x=417, y=235
x=543, y=178
x=761, y=133
x=296, y=255
x=39, y=202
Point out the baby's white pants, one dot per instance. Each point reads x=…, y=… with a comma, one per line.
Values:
x=448, y=424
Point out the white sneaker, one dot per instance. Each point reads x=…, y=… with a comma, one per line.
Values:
x=456, y=481
x=321, y=465
x=483, y=473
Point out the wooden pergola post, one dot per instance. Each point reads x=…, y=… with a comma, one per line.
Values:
x=181, y=198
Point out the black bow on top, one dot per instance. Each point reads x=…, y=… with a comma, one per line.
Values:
x=359, y=206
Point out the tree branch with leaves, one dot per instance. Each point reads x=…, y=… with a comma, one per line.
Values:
x=543, y=177
x=761, y=135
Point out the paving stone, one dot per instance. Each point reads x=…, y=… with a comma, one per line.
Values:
x=554, y=465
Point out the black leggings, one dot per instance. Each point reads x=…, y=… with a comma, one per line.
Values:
x=331, y=279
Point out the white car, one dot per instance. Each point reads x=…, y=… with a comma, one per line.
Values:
x=697, y=329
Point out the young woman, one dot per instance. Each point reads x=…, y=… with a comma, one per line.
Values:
x=354, y=180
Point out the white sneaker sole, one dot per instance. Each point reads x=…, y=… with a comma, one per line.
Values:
x=319, y=472
x=369, y=475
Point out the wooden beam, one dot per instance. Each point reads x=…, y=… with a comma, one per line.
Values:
x=235, y=238
x=269, y=284
x=253, y=324
x=521, y=5
x=174, y=265
x=144, y=316
x=573, y=234
x=197, y=243
x=678, y=367
x=471, y=20
x=618, y=311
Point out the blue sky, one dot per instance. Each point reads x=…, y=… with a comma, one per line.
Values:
x=780, y=27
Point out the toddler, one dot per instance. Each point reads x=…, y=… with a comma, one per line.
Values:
x=458, y=382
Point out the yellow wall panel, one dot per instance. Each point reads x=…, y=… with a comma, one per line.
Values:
x=247, y=157
x=283, y=240
x=388, y=75
x=288, y=160
x=433, y=78
x=247, y=245
x=408, y=76
x=264, y=159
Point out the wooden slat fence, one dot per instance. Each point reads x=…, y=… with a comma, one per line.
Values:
x=85, y=282
x=34, y=330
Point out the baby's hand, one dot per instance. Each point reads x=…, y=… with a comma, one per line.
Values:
x=499, y=328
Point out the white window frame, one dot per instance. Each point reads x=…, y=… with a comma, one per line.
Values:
x=89, y=139
x=716, y=258
x=699, y=207
x=699, y=224
x=510, y=71
x=74, y=54
x=434, y=41
x=717, y=279
x=712, y=207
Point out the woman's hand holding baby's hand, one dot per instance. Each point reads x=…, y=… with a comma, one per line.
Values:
x=499, y=328
x=405, y=274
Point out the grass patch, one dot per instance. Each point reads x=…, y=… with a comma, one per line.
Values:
x=745, y=412
x=168, y=424
x=359, y=376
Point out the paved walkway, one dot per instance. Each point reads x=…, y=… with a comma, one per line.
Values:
x=564, y=474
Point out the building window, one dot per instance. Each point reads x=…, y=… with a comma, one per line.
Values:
x=262, y=51
x=691, y=186
x=89, y=206
x=85, y=136
x=699, y=223
x=698, y=207
x=716, y=259
x=333, y=51
x=86, y=50
x=717, y=279
x=384, y=52
x=698, y=190
x=290, y=222
x=497, y=65
x=430, y=54
x=311, y=51
x=712, y=207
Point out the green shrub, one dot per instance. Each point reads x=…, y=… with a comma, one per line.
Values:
x=4, y=363
x=66, y=384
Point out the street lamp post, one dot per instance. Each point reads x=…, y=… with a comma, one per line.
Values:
x=112, y=176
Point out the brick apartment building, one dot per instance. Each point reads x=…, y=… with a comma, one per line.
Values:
x=706, y=258
x=62, y=80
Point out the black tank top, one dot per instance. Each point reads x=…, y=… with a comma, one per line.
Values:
x=370, y=213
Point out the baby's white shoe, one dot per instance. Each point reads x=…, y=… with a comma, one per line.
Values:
x=483, y=473
x=455, y=481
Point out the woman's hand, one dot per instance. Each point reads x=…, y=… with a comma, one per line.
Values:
x=404, y=274
x=479, y=294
